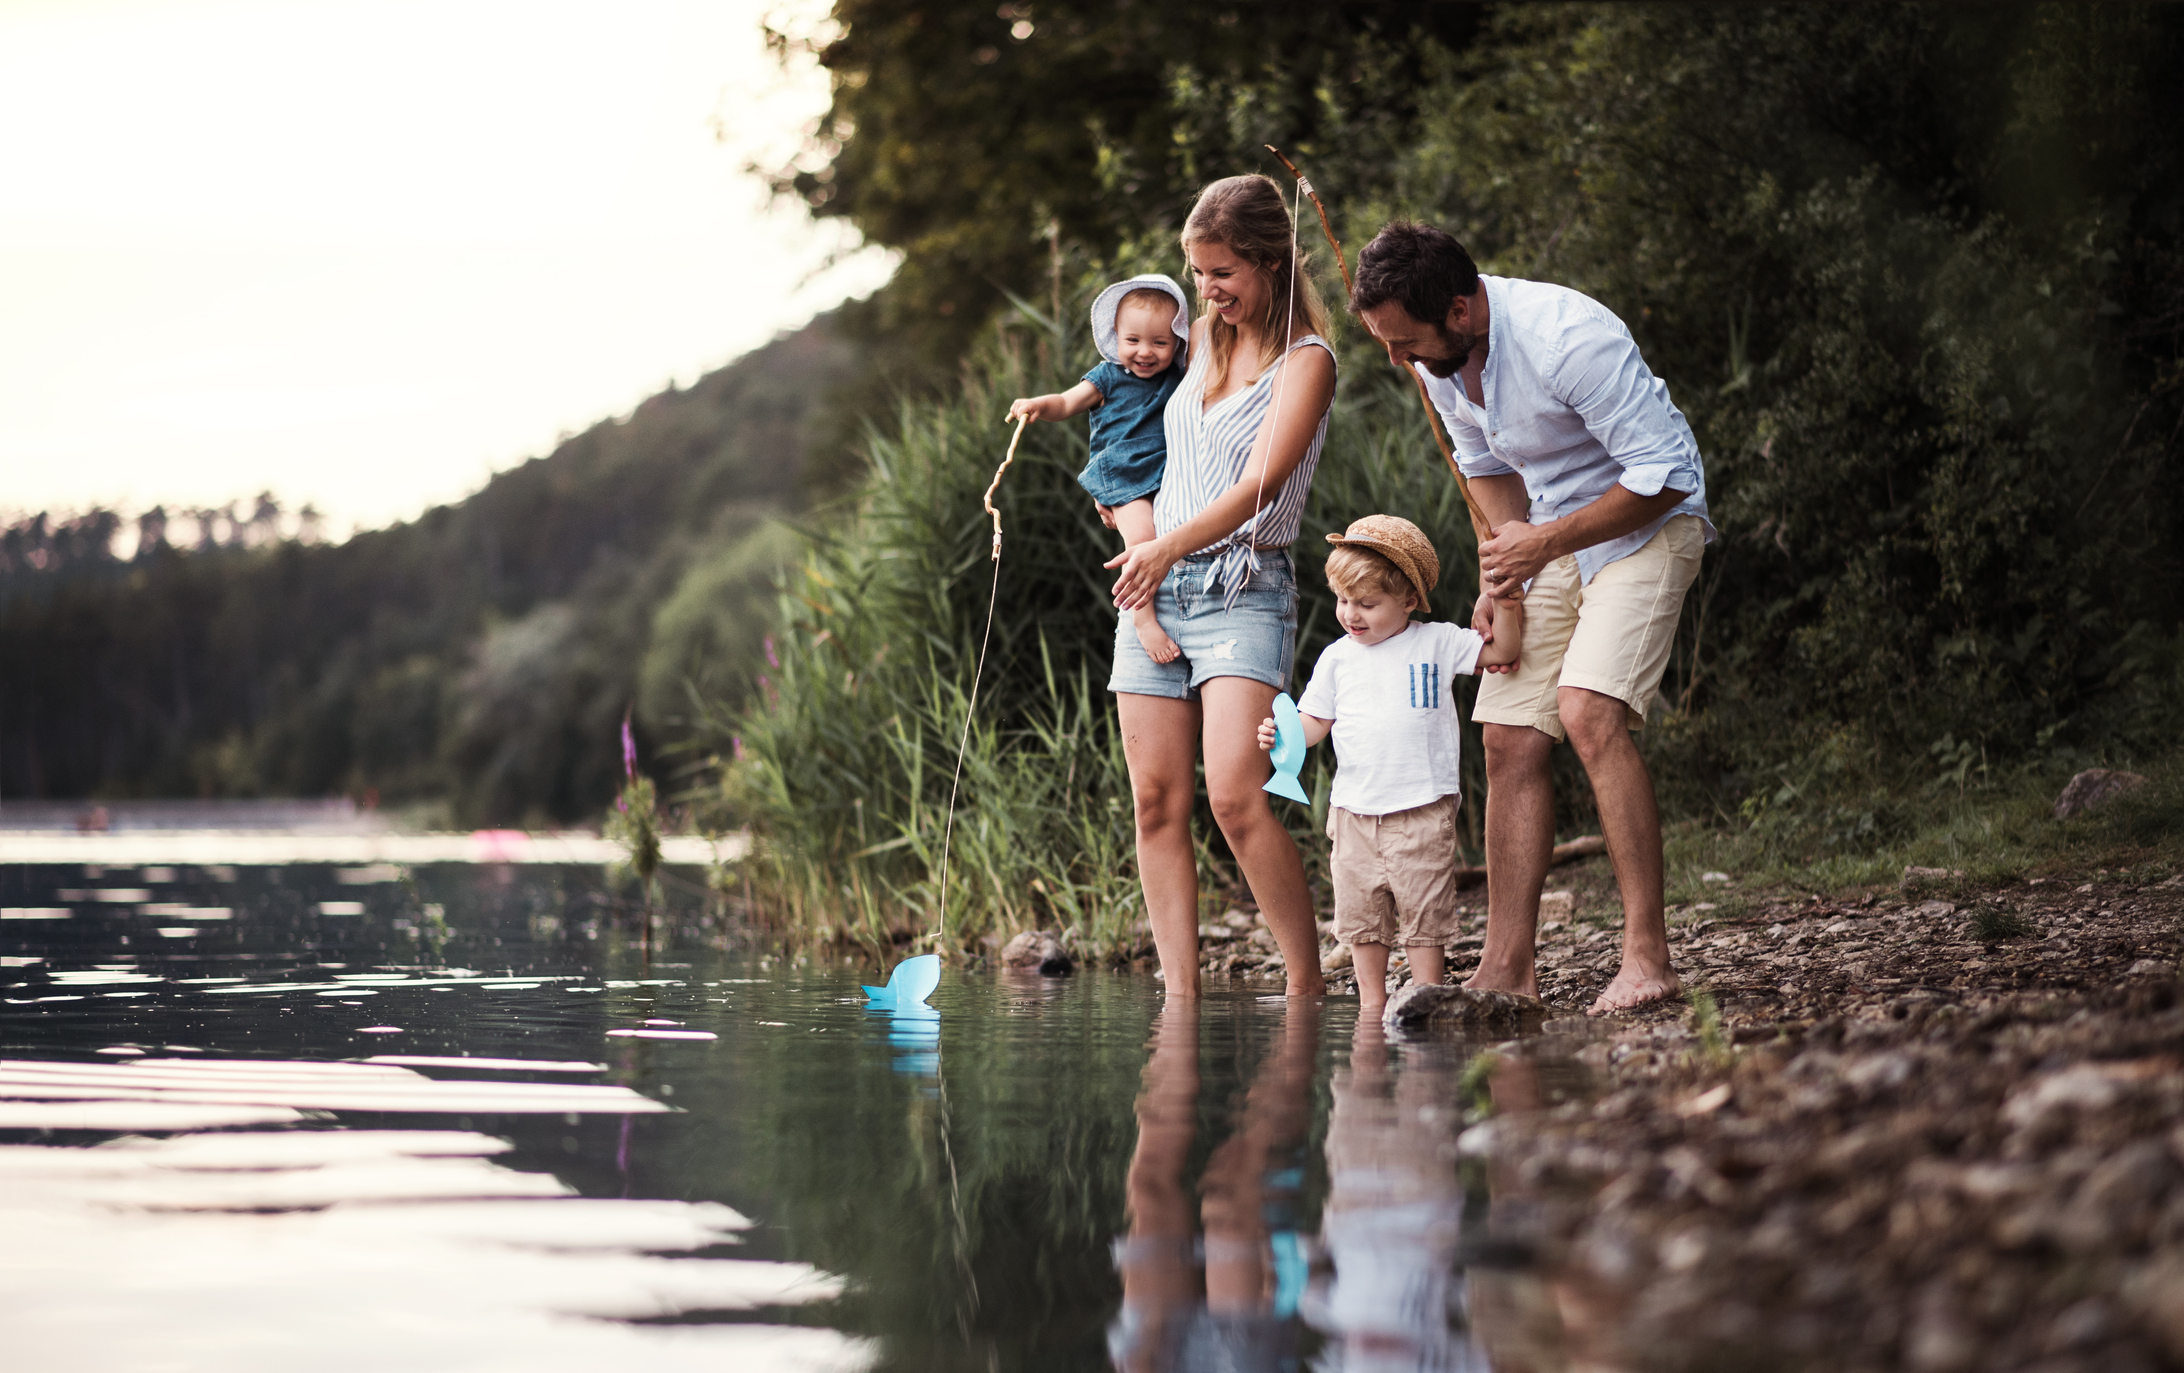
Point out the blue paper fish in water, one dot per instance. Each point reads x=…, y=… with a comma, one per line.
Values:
x=913, y=981
x=1289, y=750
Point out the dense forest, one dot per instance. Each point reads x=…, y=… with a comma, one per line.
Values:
x=1915, y=273
x=476, y=661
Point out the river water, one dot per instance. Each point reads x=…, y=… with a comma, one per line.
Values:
x=457, y=1117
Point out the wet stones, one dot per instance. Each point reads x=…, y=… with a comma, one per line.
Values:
x=1038, y=951
x=1424, y=1007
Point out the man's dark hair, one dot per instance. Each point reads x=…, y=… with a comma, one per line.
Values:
x=1416, y=266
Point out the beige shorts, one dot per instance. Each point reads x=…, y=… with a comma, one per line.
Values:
x=1395, y=875
x=1612, y=637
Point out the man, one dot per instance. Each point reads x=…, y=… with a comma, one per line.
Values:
x=1596, y=500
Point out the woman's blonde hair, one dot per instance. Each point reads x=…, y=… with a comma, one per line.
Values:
x=1246, y=215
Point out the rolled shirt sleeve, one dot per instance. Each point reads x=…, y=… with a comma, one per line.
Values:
x=1604, y=379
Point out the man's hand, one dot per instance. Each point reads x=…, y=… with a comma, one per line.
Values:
x=1482, y=620
x=1267, y=734
x=1512, y=556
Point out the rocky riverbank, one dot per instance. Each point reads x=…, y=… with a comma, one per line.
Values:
x=1936, y=1128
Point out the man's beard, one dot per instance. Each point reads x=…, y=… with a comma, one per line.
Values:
x=1457, y=346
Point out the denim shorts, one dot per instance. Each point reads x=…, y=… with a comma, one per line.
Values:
x=1255, y=638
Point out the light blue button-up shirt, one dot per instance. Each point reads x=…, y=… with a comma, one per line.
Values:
x=1568, y=404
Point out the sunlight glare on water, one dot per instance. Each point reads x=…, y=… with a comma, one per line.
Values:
x=505, y=1136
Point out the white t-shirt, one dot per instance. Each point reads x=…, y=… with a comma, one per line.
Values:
x=1395, y=719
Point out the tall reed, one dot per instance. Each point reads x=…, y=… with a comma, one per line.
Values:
x=843, y=769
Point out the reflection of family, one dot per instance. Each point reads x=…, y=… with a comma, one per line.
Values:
x=1204, y=448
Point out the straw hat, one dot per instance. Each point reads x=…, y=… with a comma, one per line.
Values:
x=1401, y=543
x=1109, y=304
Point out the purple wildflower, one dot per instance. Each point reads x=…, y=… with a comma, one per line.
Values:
x=629, y=750
x=737, y=741
x=771, y=660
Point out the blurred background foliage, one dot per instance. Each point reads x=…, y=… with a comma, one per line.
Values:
x=474, y=663
x=1913, y=271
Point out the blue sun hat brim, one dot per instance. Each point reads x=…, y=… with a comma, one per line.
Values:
x=1109, y=302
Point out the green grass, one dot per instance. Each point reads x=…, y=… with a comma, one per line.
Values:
x=1997, y=832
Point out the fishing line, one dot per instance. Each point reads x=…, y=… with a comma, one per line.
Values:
x=970, y=711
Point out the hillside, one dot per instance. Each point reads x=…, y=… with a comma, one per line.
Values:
x=480, y=655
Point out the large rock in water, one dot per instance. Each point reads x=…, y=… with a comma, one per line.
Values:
x=1428, y=1006
x=1038, y=949
x=2093, y=788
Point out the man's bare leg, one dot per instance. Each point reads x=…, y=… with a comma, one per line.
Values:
x=1520, y=840
x=1631, y=821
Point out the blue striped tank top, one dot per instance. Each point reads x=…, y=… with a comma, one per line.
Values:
x=1207, y=451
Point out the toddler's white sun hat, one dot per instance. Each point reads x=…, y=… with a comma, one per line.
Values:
x=1109, y=302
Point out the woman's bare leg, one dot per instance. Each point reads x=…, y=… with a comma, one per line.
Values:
x=1134, y=521
x=1160, y=740
x=1236, y=769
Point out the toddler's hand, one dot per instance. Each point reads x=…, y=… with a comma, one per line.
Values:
x=1033, y=406
x=1267, y=734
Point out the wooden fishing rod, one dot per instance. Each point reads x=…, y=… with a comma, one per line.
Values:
x=1479, y=525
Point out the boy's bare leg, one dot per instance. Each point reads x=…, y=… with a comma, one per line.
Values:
x=1134, y=522
x=1371, y=962
x=1631, y=821
x=1426, y=964
x=1520, y=841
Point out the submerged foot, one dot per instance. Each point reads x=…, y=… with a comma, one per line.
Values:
x=1158, y=646
x=1635, y=987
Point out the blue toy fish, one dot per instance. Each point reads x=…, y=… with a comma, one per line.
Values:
x=913, y=981
x=1289, y=750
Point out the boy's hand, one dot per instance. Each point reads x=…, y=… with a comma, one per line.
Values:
x=1482, y=620
x=1267, y=734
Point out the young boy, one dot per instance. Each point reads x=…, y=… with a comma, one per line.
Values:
x=1381, y=691
x=1142, y=329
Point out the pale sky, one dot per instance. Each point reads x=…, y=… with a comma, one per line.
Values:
x=365, y=252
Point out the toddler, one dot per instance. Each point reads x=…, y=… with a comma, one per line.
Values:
x=1381, y=690
x=1142, y=329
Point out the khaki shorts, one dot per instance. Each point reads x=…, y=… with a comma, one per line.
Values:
x=1395, y=875
x=1612, y=637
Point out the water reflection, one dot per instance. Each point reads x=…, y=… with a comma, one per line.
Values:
x=1395, y=1212
x=1216, y=1284
x=938, y=1189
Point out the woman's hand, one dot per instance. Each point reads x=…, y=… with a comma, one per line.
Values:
x=1268, y=734
x=1139, y=572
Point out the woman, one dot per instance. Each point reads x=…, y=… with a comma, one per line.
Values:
x=1244, y=434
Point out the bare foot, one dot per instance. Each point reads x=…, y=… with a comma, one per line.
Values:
x=1158, y=646
x=1527, y=985
x=1634, y=987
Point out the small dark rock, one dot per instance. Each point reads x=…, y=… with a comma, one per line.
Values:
x=1040, y=950
x=1422, y=1006
x=2093, y=788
